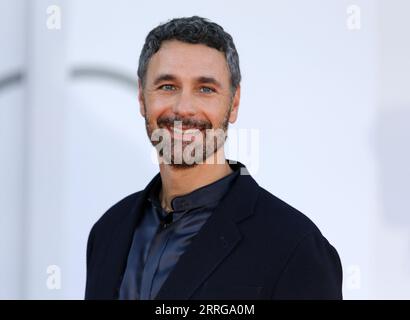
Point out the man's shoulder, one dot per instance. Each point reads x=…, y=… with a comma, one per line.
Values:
x=281, y=218
x=298, y=246
x=116, y=212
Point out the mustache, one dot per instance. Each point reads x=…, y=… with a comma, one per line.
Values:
x=186, y=122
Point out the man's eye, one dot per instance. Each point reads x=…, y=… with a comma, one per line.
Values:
x=167, y=87
x=206, y=90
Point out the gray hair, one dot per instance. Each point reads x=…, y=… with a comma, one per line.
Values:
x=194, y=30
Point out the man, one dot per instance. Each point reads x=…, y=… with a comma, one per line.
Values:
x=202, y=228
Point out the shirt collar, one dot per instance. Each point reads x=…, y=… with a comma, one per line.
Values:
x=201, y=197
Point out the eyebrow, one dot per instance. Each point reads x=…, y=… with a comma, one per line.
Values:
x=164, y=77
x=210, y=80
x=201, y=79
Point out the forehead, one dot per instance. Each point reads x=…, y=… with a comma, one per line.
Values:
x=186, y=60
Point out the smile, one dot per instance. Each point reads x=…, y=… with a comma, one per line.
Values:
x=184, y=131
x=177, y=132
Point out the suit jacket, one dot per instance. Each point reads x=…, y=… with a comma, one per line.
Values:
x=253, y=246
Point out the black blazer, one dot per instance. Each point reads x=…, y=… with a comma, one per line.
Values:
x=253, y=246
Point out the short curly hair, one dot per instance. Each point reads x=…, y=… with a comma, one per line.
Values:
x=195, y=30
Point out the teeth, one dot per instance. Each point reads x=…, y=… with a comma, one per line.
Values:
x=180, y=131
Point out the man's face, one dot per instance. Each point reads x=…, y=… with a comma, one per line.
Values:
x=188, y=87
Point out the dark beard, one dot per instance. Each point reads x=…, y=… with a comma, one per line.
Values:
x=162, y=123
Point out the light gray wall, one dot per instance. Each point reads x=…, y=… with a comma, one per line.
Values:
x=12, y=148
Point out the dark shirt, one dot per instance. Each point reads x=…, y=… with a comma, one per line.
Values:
x=160, y=238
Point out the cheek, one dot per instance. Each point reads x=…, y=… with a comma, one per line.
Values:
x=217, y=115
x=156, y=107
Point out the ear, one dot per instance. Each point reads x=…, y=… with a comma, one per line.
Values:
x=141, y=98
x=235, y=105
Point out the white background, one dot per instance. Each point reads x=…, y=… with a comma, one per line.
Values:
x=332, y=107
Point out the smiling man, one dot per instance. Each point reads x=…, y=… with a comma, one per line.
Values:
x=202, y=228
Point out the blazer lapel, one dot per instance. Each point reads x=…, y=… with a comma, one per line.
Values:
x=214, y=242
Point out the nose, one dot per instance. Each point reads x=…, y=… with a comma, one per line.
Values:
x=184, y=104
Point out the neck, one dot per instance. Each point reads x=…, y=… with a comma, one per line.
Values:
x=178, y=182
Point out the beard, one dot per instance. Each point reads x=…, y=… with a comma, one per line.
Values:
x=183, y=151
